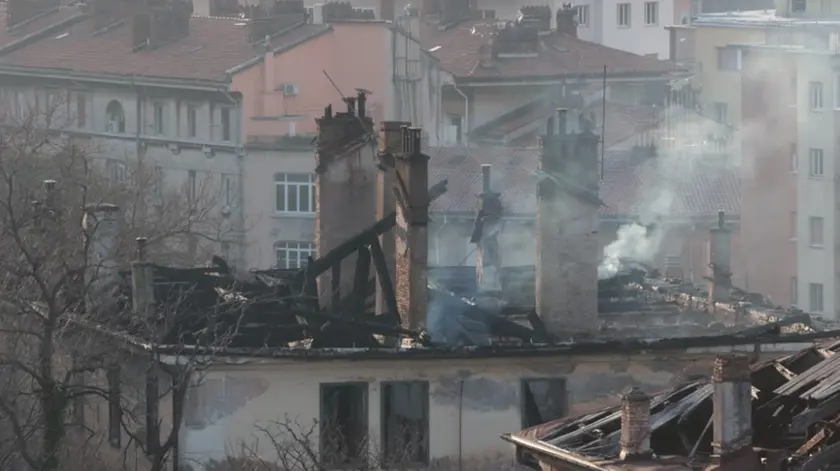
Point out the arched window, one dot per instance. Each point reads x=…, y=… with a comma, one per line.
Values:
x=115, y=117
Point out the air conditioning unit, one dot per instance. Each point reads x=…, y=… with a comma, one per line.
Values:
x=290, y=89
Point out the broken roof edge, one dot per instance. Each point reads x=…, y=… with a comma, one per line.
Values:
x=691, y=345
x=572, y=460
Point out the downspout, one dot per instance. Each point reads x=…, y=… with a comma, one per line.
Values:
x=437, y=240
x=241, y=177
x=138, y=143
x=465, y=132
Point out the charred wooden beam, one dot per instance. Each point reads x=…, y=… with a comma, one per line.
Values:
x=336, y=283
x=360, y=282
x=385, y=282
x=366, y=236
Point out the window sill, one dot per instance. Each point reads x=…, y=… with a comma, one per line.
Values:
x=816, y=246
x=289, y=214
x=817, y=110
x=651, y=25
x=623, y=26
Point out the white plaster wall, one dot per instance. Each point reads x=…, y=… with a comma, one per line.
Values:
x=816, y=195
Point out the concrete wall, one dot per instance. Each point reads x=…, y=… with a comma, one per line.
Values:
x=638, y=37
x=472, y=401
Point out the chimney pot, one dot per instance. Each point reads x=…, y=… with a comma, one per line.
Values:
x=361, y=100
x=732, y=409
x=141, y=249
x=635, y=425
x=485, y=178
x=351, y=105
x=328, y=112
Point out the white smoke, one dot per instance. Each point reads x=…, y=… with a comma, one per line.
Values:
x=634, y=241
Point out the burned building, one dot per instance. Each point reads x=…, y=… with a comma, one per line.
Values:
x=457, y=371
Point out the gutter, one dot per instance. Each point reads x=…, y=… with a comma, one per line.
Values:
x=594, y=77
x=128, y=80
x=567, y=457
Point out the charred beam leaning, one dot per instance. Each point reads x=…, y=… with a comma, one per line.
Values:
x=486, y=231
x=391, y=144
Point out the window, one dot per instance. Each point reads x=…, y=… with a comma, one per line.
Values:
x=794, y=291
x=815, y=296
x=344, y=424
x=815, y=229
x=543, y=400
x=815, y=162
x=158, y=119
x=228, y=190
x=192, y=190
x=792, y=231
x=294, y=193
x=729, y=59
x=115, y=117
x=651, y=13
x=81, y=110
x=292, y=131
x=226, y=124
x=192, y=117
x=623, y=12
x=722, y=113
x=816, y=95
x=116, y=171
x=114, y=406
x=405, y=422
x=456, y=129
x=293, y=255
x=582, y=12
x=794, y=158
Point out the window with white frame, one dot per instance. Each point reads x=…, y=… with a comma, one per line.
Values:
x=159, y=115
x=192, y=186
x=582, y=13
x=226, y=124
x=729, y=59
x=293, y=254
x=114, y=117
x=815, y=93
x=651, y=13
x=228, y=188
x=815, y=229
x=623, y=14
x=192, y=121
x=815, y=162
x=294, y=193
x=815, y=297
x=794, y=158
x=116, y=170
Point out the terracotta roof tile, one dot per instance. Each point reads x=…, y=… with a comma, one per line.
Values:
x=630, y=187
x=9, y=35
x=213, y=46
x=458, y=50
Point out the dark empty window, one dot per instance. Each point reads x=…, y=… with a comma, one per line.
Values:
x=192, y=116
x=543, y=400
x=114, y=408
x=405, y=422
x=115, y=117
x=81, y=110
x=344, y=424
x=225, y=124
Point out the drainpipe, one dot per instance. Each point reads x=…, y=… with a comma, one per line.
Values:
x=466, y=129
x=437, y=240
x=138, y=142
x=241, y=179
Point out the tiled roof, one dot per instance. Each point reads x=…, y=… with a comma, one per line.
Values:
x=458, y=50
x=16, y=32
x=631, y=186
x=212, y=47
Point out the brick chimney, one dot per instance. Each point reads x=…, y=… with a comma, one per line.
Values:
x=392, y=144
x=566, y=227
x=720, y=261
x=154, y=24
x=566, y=19
x=19, y=11
x=101, y=225
x=486, y=237
x=345, y=185
x=412, y=201
x=732, y=410
x=635, y=425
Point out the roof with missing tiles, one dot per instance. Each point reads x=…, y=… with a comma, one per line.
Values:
x=684, y=187
x=212, y=48
x=459, y=47
x=55, y=16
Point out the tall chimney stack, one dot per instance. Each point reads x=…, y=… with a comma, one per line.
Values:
x=567, y=227
x=391, y=146
x=486, y=237
x=412, y=195
x=732, y=408
x=720, y=261
x=635, y=425
x=101, y=225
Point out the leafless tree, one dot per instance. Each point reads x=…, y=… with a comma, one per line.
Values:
x=66, y=329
